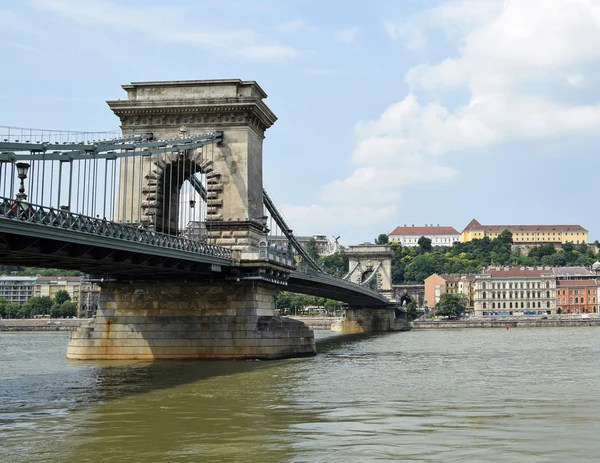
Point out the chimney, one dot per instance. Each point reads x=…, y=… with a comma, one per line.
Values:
x=413, y=225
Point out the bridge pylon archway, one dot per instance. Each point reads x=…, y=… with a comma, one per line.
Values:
x=366, y=259
x=233, y=168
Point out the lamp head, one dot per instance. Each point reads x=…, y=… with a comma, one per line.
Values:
x=22, y=169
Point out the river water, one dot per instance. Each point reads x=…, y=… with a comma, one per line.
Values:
x=473, y=395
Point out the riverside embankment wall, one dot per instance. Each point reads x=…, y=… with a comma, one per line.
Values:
x=535, y=323
x=42, y=324
x=317, y=323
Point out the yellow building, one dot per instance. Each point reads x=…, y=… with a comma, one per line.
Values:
x=436, y=285
x=528, y=234
x=84, y=294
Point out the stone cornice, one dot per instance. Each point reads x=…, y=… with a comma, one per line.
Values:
x=211, y=112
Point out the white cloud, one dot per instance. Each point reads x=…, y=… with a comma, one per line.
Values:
x=575, y=79
x=170, y=24
x=347, y=35
x=453, y=18
x=293, y=26
x=511, y=59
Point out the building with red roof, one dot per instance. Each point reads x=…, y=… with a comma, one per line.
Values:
x=515, y=291
x=439, y=236
x=528, y=234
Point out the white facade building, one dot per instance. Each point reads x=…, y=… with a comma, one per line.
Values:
x=515, y=291
x=409, y=235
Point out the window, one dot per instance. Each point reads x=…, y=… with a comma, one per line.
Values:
x=539, y=304
x=504, y=305
x=522, y=305
x=484, y=305
x=548, y=304
x=483, y=286
x=548, y=294
x=576, y=300
x=510, y=305
x=493, y=305
x=483, y=295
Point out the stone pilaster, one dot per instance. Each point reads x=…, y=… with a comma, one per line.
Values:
x=177, y=320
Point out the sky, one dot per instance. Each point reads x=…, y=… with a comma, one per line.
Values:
x=390, y=112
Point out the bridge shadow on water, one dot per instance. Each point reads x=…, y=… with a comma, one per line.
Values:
x=108, y=380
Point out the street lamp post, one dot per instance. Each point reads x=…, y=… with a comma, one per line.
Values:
x=22, y=169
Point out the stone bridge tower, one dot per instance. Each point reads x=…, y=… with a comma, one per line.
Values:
x=233, y=168
x=365, y=259
x=216, y=317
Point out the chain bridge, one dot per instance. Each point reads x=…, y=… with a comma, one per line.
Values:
x=171, y=216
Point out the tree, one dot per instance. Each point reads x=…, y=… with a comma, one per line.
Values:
x=312, y=249
x=8, y=309
x=37, y=305
x=450, y=305
x=424, y=244
x=335, y=264
x=420, y=267
x=331, y=306
x=505, y=237
x=568, y=247
x=68, y=309
x=382, y=239
x=542, y=251
x=411, y=309
x=61, y=296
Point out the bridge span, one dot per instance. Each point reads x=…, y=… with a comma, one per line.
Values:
x=172, y=217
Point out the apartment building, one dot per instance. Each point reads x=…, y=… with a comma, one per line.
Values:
x=515, y=291
x=577, y=296
x=436, y=285
x=84, y=294
x=17, y=289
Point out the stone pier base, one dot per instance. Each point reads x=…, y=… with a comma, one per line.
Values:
x=371, y=321
x=158, y=320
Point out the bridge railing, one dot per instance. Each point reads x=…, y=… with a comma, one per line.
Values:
x=322, y=276
x=66, y=220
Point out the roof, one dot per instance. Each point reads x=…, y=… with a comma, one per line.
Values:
x=571, y=271
x=424, y=231
x=66, y=279
x=17, y=278
x=475, y=225
x=505, y=272
x=564, y=283
x=456, y=277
